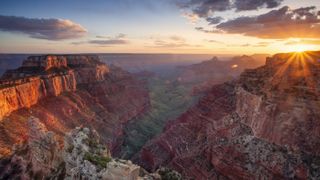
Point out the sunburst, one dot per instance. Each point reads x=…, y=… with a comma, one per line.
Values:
x=300, y=61
x=299, y=48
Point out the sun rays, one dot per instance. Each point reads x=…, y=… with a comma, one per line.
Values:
x=297, y=72
x=299, y=48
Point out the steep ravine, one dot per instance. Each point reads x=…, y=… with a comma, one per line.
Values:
x=168, y=99
x=174, y=93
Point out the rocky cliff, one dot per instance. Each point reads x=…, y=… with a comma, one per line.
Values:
x=263, y=126
x=80, y=156
x=43, y=76
x=66, y=91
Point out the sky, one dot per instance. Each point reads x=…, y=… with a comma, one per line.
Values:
x=162, y=26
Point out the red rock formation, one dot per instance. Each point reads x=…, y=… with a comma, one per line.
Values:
x=284, y=96
x=86, y=92
x=24, y=94
x=45, y=62
x=82, y=156
x=53, y=77
x=264, y=126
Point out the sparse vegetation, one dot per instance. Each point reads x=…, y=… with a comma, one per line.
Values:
x=97, y=160
x=93, y=143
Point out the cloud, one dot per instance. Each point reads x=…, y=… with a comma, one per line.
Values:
x=106, y=40
x=50, y=29
x=177, y=38
x=214, y=20
x=214, y=41
x=172, y=42
x=204, y=8
x=245, y=5
x=119, y=36
x=259, y=44
x=304, y=41
x=262, y=44
x=192, y=18
x=169, y=44
x=277, y=24
x=208, y=31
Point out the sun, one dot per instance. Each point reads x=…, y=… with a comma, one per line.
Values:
x=299, y=48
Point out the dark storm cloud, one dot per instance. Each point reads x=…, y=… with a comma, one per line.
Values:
x=203, y=8
x=214, y=20
x=50, y=29
x=277, y=24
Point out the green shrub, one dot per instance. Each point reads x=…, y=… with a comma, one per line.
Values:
x=99, y=161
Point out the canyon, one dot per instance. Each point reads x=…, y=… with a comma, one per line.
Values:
x=242, y=118
x=262, y=126
x=175, y=92
x=66, y=91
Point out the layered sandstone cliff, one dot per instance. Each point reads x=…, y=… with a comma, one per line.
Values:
x=66, y=91
x=263, y=126
x=43, y=76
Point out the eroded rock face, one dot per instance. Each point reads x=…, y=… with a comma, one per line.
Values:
x=43, y=76
x=264, y=126
x=39, y=156
x=30, y=90
x=86, y=158
x=81, y=157
x=45, y=62
x=86, y=92
x=280, y=101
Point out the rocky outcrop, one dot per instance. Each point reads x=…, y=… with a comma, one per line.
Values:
x=81, y=157
x=280, y=101
x=86, y=92
x=45, y=62
x=37, y=157
x=43, y=76
x=86, y=158
x=24, y=93
x=263, y=126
